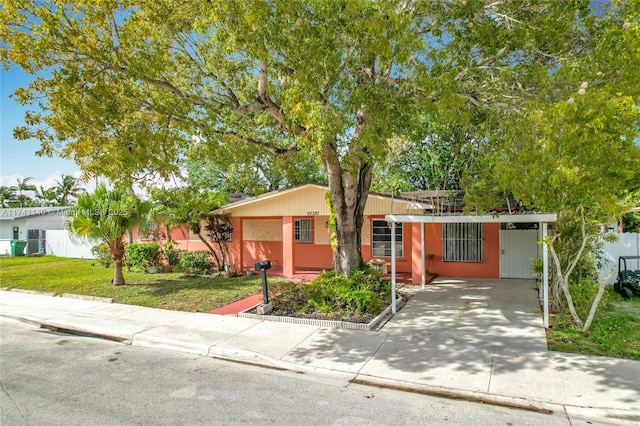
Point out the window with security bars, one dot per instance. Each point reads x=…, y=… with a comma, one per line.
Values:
x=462, y=242
x=381, y=239
x=303, y=231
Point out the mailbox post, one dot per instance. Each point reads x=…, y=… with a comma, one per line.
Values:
x=262, y=267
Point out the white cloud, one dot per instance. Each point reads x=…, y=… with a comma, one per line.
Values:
x=47, y=182
x=10, y=180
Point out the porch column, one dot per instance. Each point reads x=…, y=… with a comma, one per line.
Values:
x=239, y=242
x=422, y=256
x=417, y=253
x=287, y=246
x=393, y=267
x=545, y=279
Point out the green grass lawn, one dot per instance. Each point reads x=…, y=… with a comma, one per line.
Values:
x=614, y=332
x=87, y=277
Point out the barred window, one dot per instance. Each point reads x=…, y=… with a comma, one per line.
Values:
x=462, y=242
x=303, y=231
x=381, y=239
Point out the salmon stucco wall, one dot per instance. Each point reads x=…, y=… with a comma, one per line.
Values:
x=312, y=256
x=262, y=240
x=488, y=268
x=315, y=255
x=255, y=251
x=181, y=237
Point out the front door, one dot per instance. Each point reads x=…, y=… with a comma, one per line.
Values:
x=518, y=249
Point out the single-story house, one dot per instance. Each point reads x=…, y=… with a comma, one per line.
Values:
x=290, y=228
x=29, y=224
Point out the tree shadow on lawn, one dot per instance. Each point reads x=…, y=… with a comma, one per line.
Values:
x=164, y=285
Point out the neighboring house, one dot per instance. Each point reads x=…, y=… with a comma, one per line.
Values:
x=290, y=228
x=29, y=224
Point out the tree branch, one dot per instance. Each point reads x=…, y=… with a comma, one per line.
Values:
x=482, y=63
x=276, y=150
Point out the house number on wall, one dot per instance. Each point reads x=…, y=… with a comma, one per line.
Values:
x=313, y=213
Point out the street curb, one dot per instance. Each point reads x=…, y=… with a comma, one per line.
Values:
x=482, y=398
x=132, y=337
x=67, y=295
x=91, y=298
x=25, y=291
x=108, y=329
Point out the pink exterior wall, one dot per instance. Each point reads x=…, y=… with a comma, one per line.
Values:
x=181, y=234
x=291, y=255
x=255, y=251
x=316, y=256
x=488, y=268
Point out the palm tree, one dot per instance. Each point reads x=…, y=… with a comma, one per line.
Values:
x=106, y=216
x=7, y=193
x=67, y=187
x=23, y=185
x=47, y=197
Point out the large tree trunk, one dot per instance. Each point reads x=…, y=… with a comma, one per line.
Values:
x=118, y=276
x=117, y=255
x=349, y=190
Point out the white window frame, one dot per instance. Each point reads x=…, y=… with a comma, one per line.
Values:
x=462, y=242
x=381, y=239
x=303, y=230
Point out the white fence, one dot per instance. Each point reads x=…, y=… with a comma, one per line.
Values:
x=628, y=244
x=60, y=244
x=5, y=247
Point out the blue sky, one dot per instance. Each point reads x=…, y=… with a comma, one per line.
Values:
x=18, y=158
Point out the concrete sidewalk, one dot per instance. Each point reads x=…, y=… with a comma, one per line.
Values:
x=405, y=354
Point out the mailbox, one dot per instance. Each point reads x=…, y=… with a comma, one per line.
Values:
x=262, y=265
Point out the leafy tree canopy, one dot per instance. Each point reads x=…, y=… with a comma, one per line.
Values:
x=130, y=81
x=577, y=144
x=250, y=170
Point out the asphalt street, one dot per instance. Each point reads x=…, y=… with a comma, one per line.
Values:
x=51, y=378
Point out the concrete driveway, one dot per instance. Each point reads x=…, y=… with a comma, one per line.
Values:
x=479, y=312
x=462, y=326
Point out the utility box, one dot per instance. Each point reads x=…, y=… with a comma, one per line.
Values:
x=17, y=247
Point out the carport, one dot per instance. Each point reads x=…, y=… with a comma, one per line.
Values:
x=542, y=219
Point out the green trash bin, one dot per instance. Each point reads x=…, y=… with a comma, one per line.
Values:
x=17, y=247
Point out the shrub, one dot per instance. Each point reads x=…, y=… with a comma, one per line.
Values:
x=172, y=256
x=102, y=255
x=143, y=255
x=583, y=294
x=196, y=262
x=362, y=293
